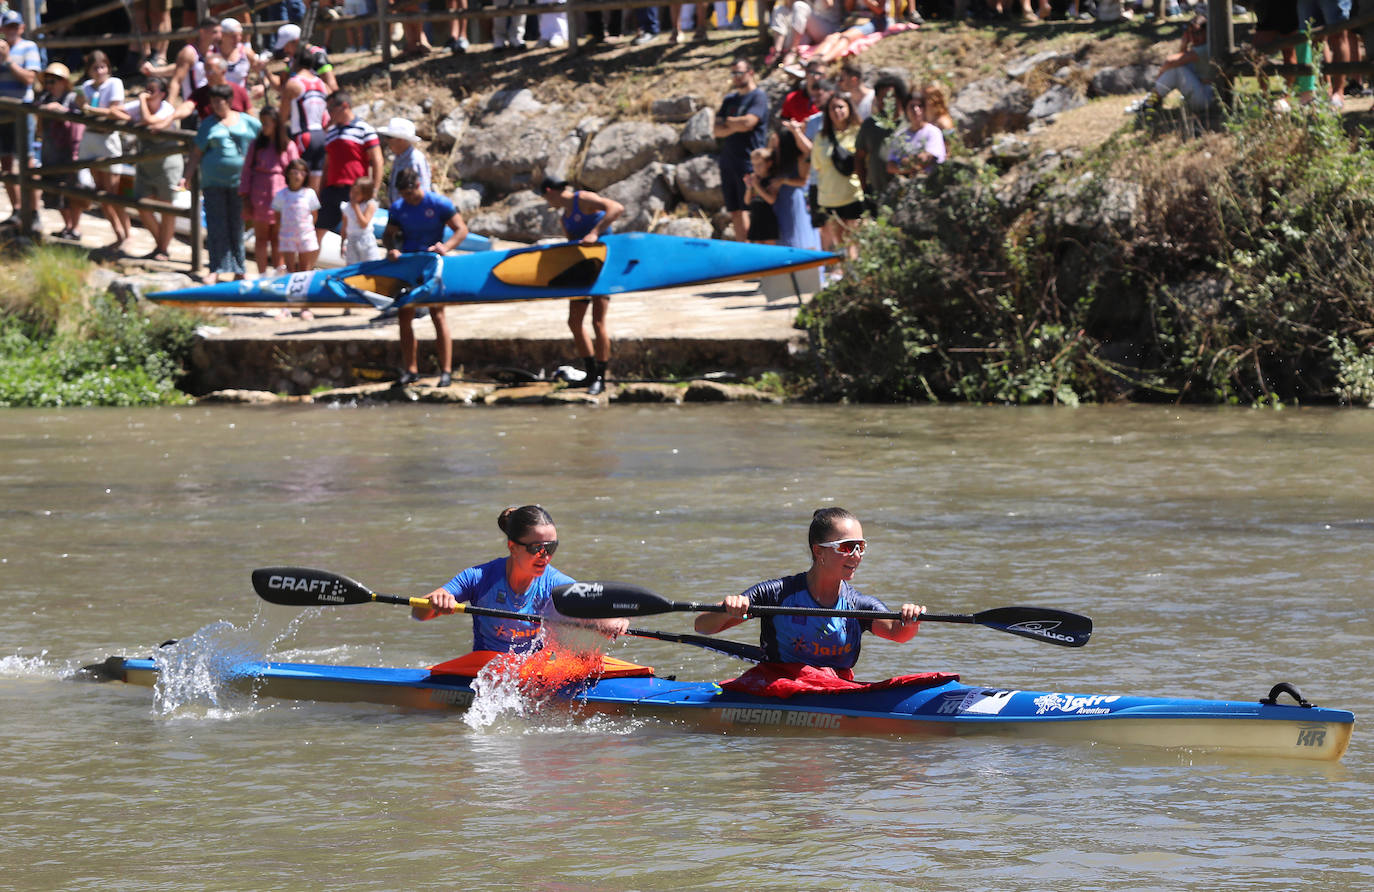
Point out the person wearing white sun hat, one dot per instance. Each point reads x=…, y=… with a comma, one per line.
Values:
x=404, y=144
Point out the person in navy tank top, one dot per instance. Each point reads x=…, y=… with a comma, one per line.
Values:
x=586, y=216
x=520, y=582
x=837, y=544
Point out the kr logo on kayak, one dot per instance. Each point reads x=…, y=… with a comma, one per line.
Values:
x=325, y=590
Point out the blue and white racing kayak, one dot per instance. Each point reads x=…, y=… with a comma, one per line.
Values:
x=1248, y=728
x=616, y=264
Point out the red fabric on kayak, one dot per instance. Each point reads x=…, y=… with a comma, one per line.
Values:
x=468, y=665
x=783, y=680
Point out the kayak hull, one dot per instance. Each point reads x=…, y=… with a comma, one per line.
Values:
x=616, y=264
x=1247, y=728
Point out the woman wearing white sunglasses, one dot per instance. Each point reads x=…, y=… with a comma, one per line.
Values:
x=837, y=544
x=520, y=582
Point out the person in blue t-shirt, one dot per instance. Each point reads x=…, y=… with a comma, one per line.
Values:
x=837, y=545
x=416, y=223
x=520, y=582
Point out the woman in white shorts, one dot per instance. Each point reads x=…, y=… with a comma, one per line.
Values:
x=98, y=95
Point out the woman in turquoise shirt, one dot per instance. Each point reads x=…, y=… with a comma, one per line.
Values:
x=220, y=151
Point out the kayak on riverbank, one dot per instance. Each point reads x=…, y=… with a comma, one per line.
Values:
x=616, y=264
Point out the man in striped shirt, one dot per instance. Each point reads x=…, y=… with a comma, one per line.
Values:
x=352, y=149
x=19, y=67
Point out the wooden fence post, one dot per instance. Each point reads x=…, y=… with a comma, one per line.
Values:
x=194, y=186
x=28, y=207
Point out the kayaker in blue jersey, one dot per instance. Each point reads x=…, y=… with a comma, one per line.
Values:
x=837, y=544
x=521, y=582
x=416, y=223
x=586, y=216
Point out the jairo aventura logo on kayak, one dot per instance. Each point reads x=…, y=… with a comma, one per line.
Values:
x=1094, y=705
x=753, y=715
x=1040, y=629
x=323, y=589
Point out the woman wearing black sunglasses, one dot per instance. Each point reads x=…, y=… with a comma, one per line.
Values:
x=520, y=582
x=837, y=544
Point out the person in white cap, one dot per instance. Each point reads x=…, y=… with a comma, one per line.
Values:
x=288, y=46
x=20, y=64
x=239, y=58
x=404, y=145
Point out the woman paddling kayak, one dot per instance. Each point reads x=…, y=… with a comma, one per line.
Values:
x=521, y=582
x=837, y=544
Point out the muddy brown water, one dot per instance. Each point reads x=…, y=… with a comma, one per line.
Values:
x=1217, y=552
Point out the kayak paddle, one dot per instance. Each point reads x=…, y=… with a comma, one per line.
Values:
x=304, y=587
x=600, y=600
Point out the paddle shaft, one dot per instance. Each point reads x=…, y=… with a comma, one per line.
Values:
x=762, y=610
x=730, y=648
x=591, y=600
x=750, y=652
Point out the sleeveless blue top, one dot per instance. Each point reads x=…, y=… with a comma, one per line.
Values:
x=485, y=586
x=577, y=223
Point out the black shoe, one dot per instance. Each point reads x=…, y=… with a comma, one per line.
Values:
x=595, y=388
x=445, y=379
x=406, y=378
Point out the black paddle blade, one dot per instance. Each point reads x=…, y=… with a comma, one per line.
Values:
x=304, y=587
x=601, y=600
x=1040, y=623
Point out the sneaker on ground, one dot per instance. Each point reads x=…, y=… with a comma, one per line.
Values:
x=569, y=373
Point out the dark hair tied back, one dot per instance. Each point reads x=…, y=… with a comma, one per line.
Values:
x=823, y=524
x=516, y=522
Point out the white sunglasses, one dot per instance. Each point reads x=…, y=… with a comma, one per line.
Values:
x=847, y=546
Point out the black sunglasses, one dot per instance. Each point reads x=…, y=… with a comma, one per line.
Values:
x=538, y=548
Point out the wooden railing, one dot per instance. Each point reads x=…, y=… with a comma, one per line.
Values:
x=15, y=114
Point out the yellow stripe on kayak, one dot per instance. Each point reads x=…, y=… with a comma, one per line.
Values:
x=563, y=266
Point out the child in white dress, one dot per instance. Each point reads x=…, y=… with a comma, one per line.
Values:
x=297, y=206
x=359, y=242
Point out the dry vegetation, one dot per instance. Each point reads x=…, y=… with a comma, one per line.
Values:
x=618, y=80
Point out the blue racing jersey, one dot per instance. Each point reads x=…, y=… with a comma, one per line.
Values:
x=421, y=224
x=485, y=586
x=813, y=640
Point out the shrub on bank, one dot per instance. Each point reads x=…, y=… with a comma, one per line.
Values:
x=61, y=346
x=1234, y=267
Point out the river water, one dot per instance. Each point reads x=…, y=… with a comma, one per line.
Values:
x=1217, y=552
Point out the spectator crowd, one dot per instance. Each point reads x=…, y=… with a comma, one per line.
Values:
x=279, y=151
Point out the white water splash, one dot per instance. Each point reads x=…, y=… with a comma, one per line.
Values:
x=497, y=694
x=20, y=666
x=210, y=673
